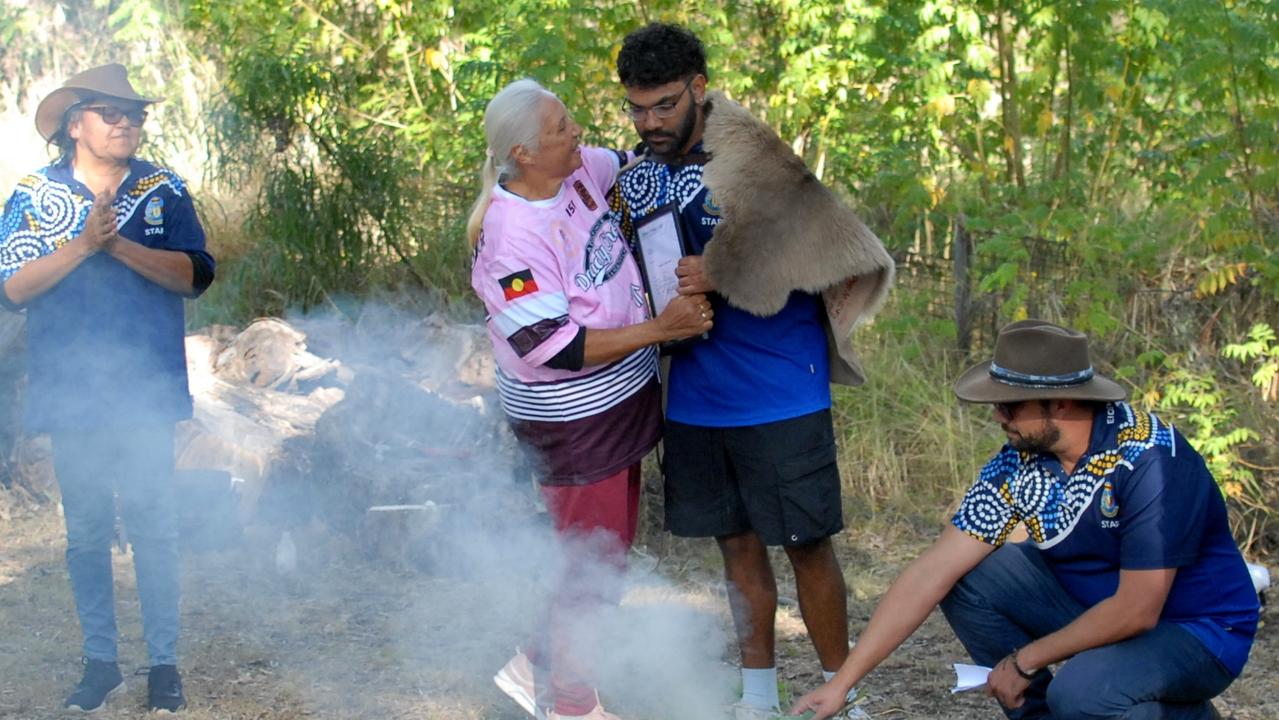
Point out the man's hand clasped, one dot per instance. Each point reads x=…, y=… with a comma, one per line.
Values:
x=692, y=276
x=689, y=314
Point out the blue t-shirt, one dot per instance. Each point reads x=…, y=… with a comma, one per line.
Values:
x=1141, y=498
x=751, y=370
x=105, y=345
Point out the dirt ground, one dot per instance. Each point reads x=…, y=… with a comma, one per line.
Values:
x=345, y=638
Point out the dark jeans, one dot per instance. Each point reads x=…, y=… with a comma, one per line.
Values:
x=138, y=464
x=1012, y=598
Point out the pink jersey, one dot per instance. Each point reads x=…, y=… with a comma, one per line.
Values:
x=544, y=269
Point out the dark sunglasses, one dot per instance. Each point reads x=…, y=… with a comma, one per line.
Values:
x=1008, y=409
x=112, y=115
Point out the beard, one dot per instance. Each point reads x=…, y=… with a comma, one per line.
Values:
x=1040, y=443
x=672, y=142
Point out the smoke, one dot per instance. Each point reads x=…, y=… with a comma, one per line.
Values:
x=654, y=652
x=404, y=611
x=488, y=563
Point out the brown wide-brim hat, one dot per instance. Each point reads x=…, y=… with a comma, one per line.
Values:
x=104, y=81
x=1036, y=360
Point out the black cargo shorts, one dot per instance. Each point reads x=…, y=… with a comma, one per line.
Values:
x=779, y=479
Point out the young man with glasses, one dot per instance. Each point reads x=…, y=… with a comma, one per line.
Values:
x=750, y=454
x=101, y=248
x=1131, y=583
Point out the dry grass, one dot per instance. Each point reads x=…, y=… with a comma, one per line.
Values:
x=340, y=640
x=906, y=444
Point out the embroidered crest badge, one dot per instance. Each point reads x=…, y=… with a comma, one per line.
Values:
x=154, y=213
x=1109, y=507
x=709, y=207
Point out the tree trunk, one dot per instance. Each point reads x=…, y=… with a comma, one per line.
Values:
x=1008, y=94
x=961, y=250
x=1062, y=167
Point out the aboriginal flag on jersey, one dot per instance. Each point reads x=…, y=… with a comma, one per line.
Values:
x=518, y=284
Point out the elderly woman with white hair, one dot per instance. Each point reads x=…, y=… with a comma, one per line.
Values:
x=576, y=358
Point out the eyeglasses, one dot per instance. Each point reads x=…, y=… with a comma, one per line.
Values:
x=112, y=115
x=663, y=111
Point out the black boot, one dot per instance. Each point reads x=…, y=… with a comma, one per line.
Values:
x=164, y=689
x=102, y=680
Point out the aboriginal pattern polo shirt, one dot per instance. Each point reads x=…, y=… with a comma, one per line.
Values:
x=751, y=370
x=105, y=345
x=1141, y=498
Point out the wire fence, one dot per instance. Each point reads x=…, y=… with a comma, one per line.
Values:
x=944, y=280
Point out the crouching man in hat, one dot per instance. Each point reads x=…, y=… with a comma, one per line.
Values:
x=101, y=248
x=1130, y=580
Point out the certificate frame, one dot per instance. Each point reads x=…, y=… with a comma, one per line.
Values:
x=660, y=243
x=659, y=246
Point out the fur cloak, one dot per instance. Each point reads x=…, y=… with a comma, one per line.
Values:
x=783, y=230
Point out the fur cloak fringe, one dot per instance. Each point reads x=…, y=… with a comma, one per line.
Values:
x=782, y=229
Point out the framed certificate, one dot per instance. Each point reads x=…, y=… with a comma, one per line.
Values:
x=661, y=245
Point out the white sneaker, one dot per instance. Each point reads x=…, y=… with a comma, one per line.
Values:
x=854, y=709
x=599, y=713
x=742, y=711
x=516, y=679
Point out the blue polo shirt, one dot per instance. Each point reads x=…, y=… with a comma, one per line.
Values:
x=105, y=345
x=1141, y=498
x=752, y=370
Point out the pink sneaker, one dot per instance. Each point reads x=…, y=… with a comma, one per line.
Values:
x=599, y=713
x=516, y=679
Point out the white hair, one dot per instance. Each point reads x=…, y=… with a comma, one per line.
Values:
x=511, y=120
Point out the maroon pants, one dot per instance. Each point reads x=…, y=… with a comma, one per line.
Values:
x=597, y=523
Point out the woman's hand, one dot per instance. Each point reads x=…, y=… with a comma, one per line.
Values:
x=100, y=229
x=686, y=316
x=36, y=277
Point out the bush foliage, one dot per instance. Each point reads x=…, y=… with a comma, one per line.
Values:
x=1110, y=164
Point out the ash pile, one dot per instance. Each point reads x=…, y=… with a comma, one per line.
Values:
x=26, y=480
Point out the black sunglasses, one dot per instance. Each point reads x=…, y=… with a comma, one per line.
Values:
x=112, y=115
x=1008, y=409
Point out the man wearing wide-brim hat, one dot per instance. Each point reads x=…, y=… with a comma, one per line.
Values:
x=1130, y=583
x=100, y=248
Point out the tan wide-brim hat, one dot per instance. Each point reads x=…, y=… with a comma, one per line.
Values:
x=105, y=81
x=1036, y=360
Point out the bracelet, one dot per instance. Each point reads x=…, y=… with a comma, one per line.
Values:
x=1016, y=666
